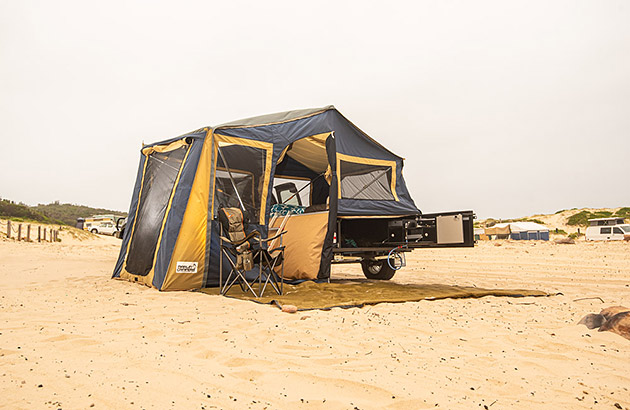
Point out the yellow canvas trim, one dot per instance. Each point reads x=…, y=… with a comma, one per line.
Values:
x=310, y=151
x=367, y=161
x=282, y=154
x=164, y=148
x=267, y=146
x=191, y=240
x=318, y=139
x=242, y=141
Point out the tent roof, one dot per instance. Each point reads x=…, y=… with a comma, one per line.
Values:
x=294, y=115
x=507, y=227
x=527, y=226
x=275, y=118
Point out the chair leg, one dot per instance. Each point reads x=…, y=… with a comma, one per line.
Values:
x=236, y=275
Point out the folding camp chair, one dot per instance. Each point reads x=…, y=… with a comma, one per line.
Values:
x=244, y=251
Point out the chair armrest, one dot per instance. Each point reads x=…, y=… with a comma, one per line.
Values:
x=251, y=235
x=274, y=237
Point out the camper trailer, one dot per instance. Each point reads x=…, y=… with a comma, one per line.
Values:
x=607, y=229
x=339, y=195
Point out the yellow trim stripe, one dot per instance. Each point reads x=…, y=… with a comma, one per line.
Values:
x=367, y=161
x=168, y=209
x=164, y=148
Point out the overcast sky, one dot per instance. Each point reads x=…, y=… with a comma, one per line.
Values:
x=507, y=108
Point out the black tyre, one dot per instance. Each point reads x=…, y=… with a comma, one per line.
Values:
x=380, y=270
x=94, y=230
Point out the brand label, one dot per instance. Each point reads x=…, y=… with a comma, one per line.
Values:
x=186, y=267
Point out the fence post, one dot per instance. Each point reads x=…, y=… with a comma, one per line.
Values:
x=44, y=234
x=8, y=229
x=19, y=232
x=51, y=235
x=39, y=234
x=28, y=233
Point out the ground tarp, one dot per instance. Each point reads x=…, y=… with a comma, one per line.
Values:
x=356, y=293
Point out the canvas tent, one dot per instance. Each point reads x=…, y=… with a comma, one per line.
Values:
x=528, y=231
x=501, y=230
x=519, y=231
x=172, y=242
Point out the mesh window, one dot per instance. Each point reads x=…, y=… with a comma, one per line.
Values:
x=363, y=181
x=225, y=196
x=159, y=179
x=247, y=166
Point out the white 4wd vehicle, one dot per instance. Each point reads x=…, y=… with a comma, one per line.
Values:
x=103, y=228
x=607, y=229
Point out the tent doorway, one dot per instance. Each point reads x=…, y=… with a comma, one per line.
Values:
x=160, y=174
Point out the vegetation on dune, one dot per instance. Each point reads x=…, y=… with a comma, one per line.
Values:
x=581, y=218
x=68, y=213
x=623, y=212
x=22, y=213
x=563, y=210
x=538, y=221
x=54, y=213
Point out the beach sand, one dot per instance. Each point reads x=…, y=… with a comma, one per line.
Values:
x=72, y=338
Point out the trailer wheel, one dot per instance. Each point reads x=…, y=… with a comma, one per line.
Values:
x=380, y=270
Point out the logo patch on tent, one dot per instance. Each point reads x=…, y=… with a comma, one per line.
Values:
x=186, y=267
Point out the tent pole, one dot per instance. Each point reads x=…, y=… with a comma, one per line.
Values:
x=369, y=184
x=240, y=201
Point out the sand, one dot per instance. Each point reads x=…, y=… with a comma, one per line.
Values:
x=71, y=338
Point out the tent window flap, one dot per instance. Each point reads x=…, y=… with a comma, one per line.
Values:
x=365, y=181
x=158, y=182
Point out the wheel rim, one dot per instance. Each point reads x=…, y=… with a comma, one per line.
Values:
x=375, y=268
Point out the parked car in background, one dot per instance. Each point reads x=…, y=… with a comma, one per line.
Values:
x=607, y=229
x=103, y=228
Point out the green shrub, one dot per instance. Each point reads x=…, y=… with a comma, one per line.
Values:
x=562, y=210
x=581, y=218
x=623, y=212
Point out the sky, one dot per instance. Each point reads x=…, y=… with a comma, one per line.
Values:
x=506, y=108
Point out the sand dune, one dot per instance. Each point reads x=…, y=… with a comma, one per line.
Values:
x=559, y=219
x=72, y=338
